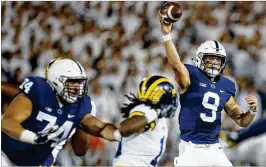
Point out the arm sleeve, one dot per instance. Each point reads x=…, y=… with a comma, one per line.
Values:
x=141, y=110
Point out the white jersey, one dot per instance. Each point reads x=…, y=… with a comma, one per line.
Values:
x=150, y=143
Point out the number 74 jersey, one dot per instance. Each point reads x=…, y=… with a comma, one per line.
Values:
x=201, y=107
x=46, y=113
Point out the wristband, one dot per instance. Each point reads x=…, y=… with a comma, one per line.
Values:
x=252, y=111
x=167, y=37
x=152, y=116
x=28, y=137
x=117, y=135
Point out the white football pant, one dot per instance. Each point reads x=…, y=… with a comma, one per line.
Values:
x=132, y=160
x=201, y=155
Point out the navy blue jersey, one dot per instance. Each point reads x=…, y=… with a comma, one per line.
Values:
x=46, y=112
x=201, y=106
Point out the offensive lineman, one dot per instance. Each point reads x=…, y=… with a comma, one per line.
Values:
x=46, y=113
x=79, y=140
x=204, y=94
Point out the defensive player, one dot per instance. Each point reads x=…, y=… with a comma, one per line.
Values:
x=144, y=136
x=204, y=94
x=46, y=113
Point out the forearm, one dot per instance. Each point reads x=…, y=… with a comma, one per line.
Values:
x=12, y=128
x=80, y=142
x=108, y=132
x=171, y=52
x=9, y=89
x=17, y=112
x=133, y=125
x=181, y=73
x=241, y=118
x=246, y=119
x=95, y=127
x=237, y=114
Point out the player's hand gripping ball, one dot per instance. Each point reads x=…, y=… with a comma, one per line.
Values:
x=170, y=12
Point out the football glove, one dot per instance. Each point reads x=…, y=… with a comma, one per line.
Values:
x=47, y=135
x=28, y=136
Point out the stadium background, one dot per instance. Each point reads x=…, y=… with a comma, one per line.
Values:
x=119, y=43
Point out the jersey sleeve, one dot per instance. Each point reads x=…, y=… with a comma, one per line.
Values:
x=140, y=110
x=31, y=87
x=88, y=107
x=231, y=87
x=193, y=71
x=93, y=110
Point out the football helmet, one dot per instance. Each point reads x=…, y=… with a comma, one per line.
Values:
x=210, y=48
x=68, y=78
x=159, y=92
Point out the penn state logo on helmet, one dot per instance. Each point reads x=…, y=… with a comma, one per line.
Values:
x=211, y=48
x=68, y=78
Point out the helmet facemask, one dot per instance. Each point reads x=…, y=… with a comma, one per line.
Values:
x=163, y=97
x=156, y=92
x=211, y=49
x=169, y=102
x=211, y=68
x=74, y=88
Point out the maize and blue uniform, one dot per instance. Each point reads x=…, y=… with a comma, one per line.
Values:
x=200, y=119
x=46, y=112
x=145, y=148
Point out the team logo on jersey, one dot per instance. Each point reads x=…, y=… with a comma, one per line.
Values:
x=59, y=111
x=202, y=84
x=48, y=109
x=213, y=86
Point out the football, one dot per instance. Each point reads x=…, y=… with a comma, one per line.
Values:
x=171, y=12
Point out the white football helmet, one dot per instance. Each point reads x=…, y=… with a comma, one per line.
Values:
x=64, y=74
x=210, y=48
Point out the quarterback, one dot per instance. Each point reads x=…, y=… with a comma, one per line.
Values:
x=46, y=113
x=145, y=130
x=204, y=94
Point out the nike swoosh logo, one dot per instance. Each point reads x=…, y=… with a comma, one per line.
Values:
x=222, y=91
x=70, y=116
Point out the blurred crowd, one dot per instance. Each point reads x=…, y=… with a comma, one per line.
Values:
x=119, y=43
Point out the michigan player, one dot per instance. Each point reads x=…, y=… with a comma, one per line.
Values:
x=144, y=136
x=204, y=94
x=46, y=113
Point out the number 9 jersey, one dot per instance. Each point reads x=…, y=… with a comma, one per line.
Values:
x=46, y=112
x=201, y=107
